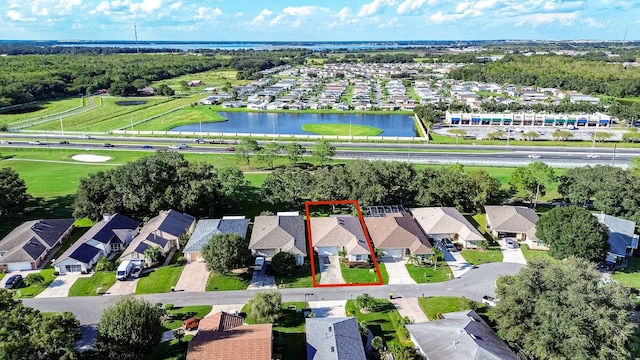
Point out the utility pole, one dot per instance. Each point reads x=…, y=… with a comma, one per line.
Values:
x=61, y=126
x=613, y=161
x=135, y=33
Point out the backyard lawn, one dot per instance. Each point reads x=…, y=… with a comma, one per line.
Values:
x=361, y=276
x=629, y=276
x=218, y=282
x=289, y=337
x=382, y=322
x=87, y=286
x=434, y=305
x=427, y=274
x=478, y=257
x=180, y=314
x=533, y=254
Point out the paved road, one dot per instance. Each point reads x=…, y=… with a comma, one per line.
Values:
x=474, y=284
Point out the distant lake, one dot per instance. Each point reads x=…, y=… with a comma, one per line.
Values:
x=318, y=46
x=287, y=123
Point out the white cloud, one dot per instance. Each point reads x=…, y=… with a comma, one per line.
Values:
x=413, y=6
x=207, y=13
x=390, y=24
x=175, y=5
x=593, y=23
x=547, y=18
x=239, y=14
x=345, y=13
x=17, y=16
x=375, y=7
x=303, y=10
x=65, y=6
x=147, y=6
x=264, y=14
x=277, y=20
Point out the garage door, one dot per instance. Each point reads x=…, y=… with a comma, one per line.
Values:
x=17, y=266
x=328, y=250
x=194, y=256
x=394, y=252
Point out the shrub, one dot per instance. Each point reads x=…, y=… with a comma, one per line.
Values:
x=181, y=260
x=283, y=263
x=265, y=307
x=34, y=279
x=168, y=306
x=366, y=301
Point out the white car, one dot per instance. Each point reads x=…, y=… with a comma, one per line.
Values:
x=593, y=156
x=534, y=156
x=36, y=142
x=85, y=137
x=259, y=264
x=178, y=146
x=135, y=273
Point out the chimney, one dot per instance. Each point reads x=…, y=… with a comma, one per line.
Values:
x=106, y=217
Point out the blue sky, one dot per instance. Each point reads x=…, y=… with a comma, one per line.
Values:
x=328, y=20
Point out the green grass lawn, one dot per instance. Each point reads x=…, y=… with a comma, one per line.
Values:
x=434, y=305
x=161, y=280
x=532, y=254
x=40, y=109
x=341, y=129
x=209, y=78
x=359, y=276
x=219, y=282
x=180, y=314
x=299, y=278
x=427, y=274
x=87, y=286
x=629, y=276
x=289, y=337
x=33, y=290
x=478, y=257
x=171, y=350
x=188, y=115
x=381, y=322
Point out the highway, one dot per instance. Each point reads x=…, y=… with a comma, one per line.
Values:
x=416, y=153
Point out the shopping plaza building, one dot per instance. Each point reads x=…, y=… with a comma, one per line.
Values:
x=528, y=119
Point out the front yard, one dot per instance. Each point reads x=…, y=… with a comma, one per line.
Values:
x=218, y=282
x=363, y=276
x=87, y=286
x=299, y=278
x=382, y=322
x=533, y=254
x=289, y=339
x=180, y=314
x=629, y=276
x=478, y=257
x=432, y=306
x=33, y=290
x=427, y=274
x=162, y=278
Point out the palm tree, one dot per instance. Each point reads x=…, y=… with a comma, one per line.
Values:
x=437, y=255
x=153, y=253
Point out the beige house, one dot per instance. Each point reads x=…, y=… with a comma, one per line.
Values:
x=518, y=222
x=330, y=235
x=398, y=235
x=447, y=222
x=162, y=231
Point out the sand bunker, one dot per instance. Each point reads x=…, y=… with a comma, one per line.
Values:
x=91, y=158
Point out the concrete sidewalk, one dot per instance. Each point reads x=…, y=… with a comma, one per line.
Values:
x=335, y=308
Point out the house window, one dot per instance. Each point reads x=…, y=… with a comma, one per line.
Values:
x=333, y=349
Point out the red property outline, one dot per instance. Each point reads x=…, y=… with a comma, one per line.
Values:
x=364, y=230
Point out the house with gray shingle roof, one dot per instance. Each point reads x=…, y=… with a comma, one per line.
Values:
x=207, y=228
x=334, y=338
x=28, y=245
x=514, y=221
x=622, y=237
x=460, y=335
x=398, y=235
x=447, y=222
x=277, y=233
x=339, y=232
x=162, y=231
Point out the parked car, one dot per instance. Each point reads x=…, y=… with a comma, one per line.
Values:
x=489, y=300
x=510, y=244
x=108, y=145
x=190, y=324
x=259, y=264
x=178, y=146
x=124, y=269
x=593, y=156
x=268, y=269
x=135, y=273
x=64, y=142
x=14, y=282
x=534, y=156
x=36, y=142
x=448, y=244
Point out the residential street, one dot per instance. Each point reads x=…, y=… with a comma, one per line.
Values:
x=473, y=284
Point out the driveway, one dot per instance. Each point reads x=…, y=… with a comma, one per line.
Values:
x=24, y=274
x=261, y=281
x=125, y=287
x=330, y=308
x=512, y=255
x=330, y=270
x=457, y=263
x=410, y=308
x=61, y=285
x=397, y=271
x=193, y=278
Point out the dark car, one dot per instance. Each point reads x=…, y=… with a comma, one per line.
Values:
x=64, y=142
x=108, y=145
x=146, y=146
x=231, y=149
x=13, y=282
x=268, y=269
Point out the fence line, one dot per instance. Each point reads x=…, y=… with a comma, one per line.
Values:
x=262, y=135
x=53, y=117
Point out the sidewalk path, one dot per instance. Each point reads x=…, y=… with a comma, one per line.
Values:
x=410, y=308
